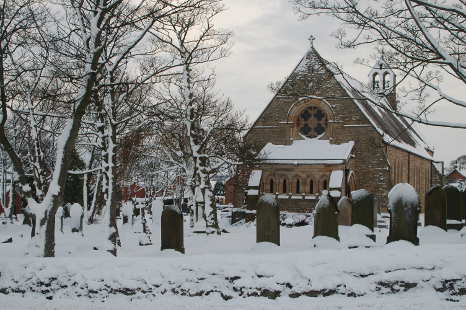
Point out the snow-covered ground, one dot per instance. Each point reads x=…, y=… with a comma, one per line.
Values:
x=231, y=271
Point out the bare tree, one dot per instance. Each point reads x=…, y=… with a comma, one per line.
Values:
x=424, y=40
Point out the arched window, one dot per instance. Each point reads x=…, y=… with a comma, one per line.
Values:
x=271, y=185
x=284, y=186
x=311, y=186
x=324, y=184
x=386, y=80
x=375, y=81
x=298, y=187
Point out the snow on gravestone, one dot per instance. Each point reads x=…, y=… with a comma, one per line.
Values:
x=171, y=229
x=325, y=217
x=455, y=208
x=76, y=213
x=363, y=211
x=436, y=208
x=344, y=211
x=403, y=205
x=268, y=220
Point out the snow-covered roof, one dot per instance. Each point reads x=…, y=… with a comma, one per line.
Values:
x=307, y=151
x=255, y=178
x=394, y=129
x=336, y=179
x=462, y=172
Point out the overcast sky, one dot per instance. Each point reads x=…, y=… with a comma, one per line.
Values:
x=269, y=41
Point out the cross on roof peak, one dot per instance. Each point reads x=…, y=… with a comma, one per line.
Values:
x=311, y=40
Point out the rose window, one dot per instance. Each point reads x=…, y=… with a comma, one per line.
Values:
x=312, y=122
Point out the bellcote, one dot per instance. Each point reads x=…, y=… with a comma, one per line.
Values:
x=382, y=81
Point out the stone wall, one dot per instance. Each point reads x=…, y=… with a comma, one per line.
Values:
x=409, y=168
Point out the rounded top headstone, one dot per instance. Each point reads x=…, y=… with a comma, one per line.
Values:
x=359, y=194
x=403, y=192
x=268, y=199
x=323, y=203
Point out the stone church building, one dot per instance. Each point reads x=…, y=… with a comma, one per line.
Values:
x=325, y=130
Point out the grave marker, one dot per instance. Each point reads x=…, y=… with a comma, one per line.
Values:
x=171, y=229
x=325, y=217
x=436, y=208
x=403, y=204
x=268, y=219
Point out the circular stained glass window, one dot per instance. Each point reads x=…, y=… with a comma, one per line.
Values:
x=312, y=122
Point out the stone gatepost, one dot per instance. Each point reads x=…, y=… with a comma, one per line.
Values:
x=325, y=217
x=436, y=208
x=268, y=219
x=171, y=229
x=403, y=205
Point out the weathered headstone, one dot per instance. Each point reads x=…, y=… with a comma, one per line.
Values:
x=455, y=208
x=76, y=214
x=325, y=217
x=344, y=211
x=363, y=211
x=436, y=208
x=403, y=205
x=171, y=229
x=464, y=202
x=127, y=210
x=268, y=219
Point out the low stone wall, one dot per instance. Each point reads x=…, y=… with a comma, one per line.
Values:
x=297, y=205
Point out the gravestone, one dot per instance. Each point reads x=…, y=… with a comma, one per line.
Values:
x=171, y=229
x=363, y=211
x=76, y=213
x=464, y=203
x=403, y=205
x=325, y=217
x=344, y=211
x=127, y=211
x=268, y=219
x=436, y=208
x=455, y=207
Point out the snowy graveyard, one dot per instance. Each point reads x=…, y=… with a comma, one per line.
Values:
x=232, y=270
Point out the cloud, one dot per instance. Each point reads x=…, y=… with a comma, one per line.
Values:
x=269, y=41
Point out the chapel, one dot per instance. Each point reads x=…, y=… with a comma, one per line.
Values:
x=325, y=130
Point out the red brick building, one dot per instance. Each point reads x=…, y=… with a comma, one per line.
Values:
x=325, y=130
x=457, y=175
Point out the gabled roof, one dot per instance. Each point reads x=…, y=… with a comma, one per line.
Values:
x=394, y=129
x=461, y=172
